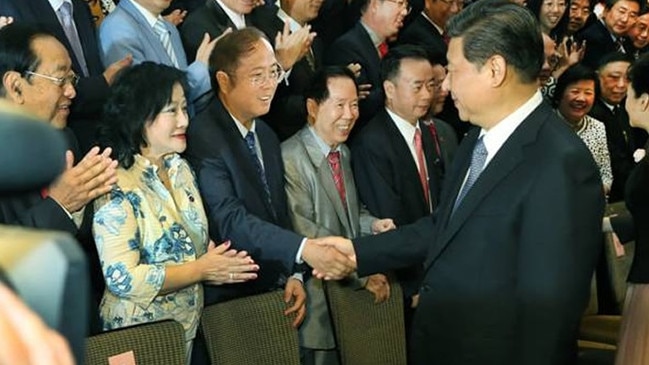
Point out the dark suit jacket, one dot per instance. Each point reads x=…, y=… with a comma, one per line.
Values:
x=598, y=43
x=387, y=180
x=356, y=46
x=637, y=201
x=621, y=145
x=209, y=18
x=508, y=274
x=422, y=33
x=91, y=90
x=287, y=113
x=235, y=200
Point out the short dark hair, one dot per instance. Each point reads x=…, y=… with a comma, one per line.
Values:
x=391, y=63
x=613, y=57
x=639, y=75
x=230, y=49
x=136, y=97
x=500, y=27
x=573, y=74
x=318, y=89
x=16, y=51
x=608, y=4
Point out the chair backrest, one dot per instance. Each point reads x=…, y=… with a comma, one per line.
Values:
x=366, y=332
x=152, y=344
x=251, y=330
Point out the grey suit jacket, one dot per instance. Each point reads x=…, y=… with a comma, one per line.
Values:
x=126, y=31
x=316, y=211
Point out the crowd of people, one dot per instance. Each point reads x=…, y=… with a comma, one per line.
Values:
x=229, y=148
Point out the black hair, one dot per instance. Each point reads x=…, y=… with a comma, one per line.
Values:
x=318, y=89
x=391, y=63
x=16, y=51
x=573, y=74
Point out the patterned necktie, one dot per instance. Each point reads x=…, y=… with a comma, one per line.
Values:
x=619, y=45
x=67, y=22
x=383, y=49
x=310, y=59
x=423, y=179
x=162, y=32
x=334, y=162
x=250, y=143
x=478, y=159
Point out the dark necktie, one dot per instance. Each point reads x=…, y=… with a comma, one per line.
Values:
x=334, y=163
x=250, y=143
x=478, y=159
x=67, y=22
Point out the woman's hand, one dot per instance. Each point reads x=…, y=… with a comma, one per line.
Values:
x=221, y=265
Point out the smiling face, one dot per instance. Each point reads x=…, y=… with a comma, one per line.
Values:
x=639, y=32
x=42, y=96
x=386, y=16
x=550, y=14
x=248, y=91
x=410, y=93
x=333, y=118
x=165, y=134
x=577, y=100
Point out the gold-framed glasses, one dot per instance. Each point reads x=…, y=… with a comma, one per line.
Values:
x=72, y=78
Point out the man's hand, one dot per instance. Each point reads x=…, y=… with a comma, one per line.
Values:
x=176, y=17
x=332, y=258
x=382, y=225
x=295, y=290
x=207, y=46
x=378, y=285
x=116, y=67
x=291, y=47
x=91, y=177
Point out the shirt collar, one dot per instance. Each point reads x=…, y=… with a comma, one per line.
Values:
x=322, y=146
x=239, y=20
x=376, y=40
x=148, y=16
x=610, y=107
x=407, y=130
x=292, y=24
x=498, y=134
x=56, y=4
x=439, y=29
x=242, y=129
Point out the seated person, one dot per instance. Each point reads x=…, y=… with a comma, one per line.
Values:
x=151, y=230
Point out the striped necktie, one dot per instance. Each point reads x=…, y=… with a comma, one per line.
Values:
x=67, y=22
x=162, y=32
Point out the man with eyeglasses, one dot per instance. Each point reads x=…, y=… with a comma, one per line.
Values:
x=639, y=33
x=608, y=34
x=365, y=44
x=238, y=163
x=37, y=76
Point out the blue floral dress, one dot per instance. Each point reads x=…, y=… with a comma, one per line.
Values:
x=140, y=228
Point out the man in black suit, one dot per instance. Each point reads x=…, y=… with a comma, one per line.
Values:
x=608, y=34
x=92, y=88
x=429, y=27
x=287, y=112
x=239, y=167
x=365, y=44
x=510, y=250
x=37, y=76
x=397, y=159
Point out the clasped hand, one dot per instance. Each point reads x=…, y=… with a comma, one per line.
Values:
x=222, y=265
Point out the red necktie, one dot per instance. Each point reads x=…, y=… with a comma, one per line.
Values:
x=419, y=150
x=334, y=162
x=383, y=49
x=446, y=38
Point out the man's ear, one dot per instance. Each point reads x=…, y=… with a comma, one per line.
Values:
x=498, y=68
x=312, y=110
x=223, y=80
x=388, y=89
x=13, y=83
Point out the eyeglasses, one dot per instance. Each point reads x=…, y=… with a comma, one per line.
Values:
x=72, y=78
x=458, y=3
x=402, y=5
x=260, y=78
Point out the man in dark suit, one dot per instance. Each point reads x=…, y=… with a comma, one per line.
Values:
x=429, y=28
x=36, y=73
x=238, y=164
x=510, y=251
x=365, y=44
x=608, y=34
x=396, y=161
x=92, y=88
x=287, y=112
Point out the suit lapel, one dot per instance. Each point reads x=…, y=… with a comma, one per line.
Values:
x=146, y=32
x=325, y=175
x=219, y=14
x=501, y=165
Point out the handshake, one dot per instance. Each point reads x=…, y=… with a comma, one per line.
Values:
x=334, y=258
